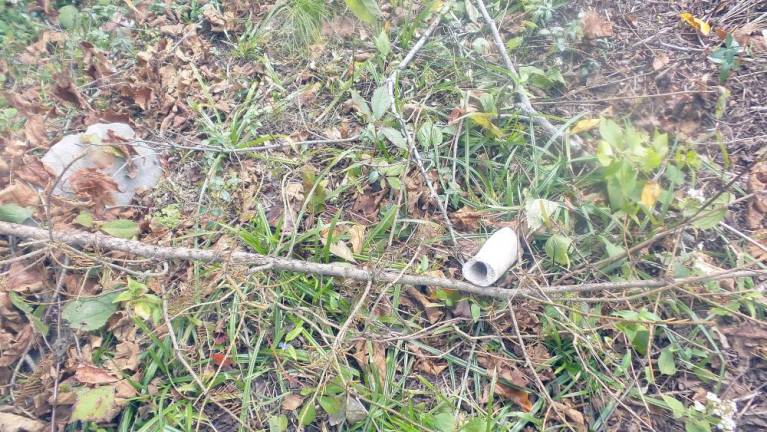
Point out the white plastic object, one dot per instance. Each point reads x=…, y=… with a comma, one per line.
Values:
x=495, y=257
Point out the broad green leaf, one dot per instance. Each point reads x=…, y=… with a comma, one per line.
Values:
x=95, y=404
x=514, y=43
x=69, y=17
x=292, y=334
x=394, y=136
x=90, y=313
x=666, y=362
x=539, y=212
x=278, y=423
x=332, y=405
x=366, y=10
x=711, y=215
x=85, y=219
x=697, y=425
x=14, y=213
x=443, y=422
x=429, y=135
x=361, y=103
x=557, y=247
x=382, y=43
x=605, y=153
x=380, y=102
x=611, y=133
x=476, y=312
x=476, y=424
x=37, y=323
x=307, y=414
x=122, y=228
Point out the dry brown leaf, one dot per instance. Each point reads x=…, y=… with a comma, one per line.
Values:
x=431, y=366
x=573, y=415
x=596, y=26
x=504, y=369
x=367, y=203
x=375, y=358
x=24, y=279
x=98, y=65
x=20, y=194
x=10, y=422
x=342, y=26
x=68, y=92
x=13, y=346
x=660, y=61
x=126, y=356
x=95, y=186
x=34, y=131
x=466, y=219
x=757, y=185
x=292, y=402
x=88, y=374
x=433, y=311
x=519, y=397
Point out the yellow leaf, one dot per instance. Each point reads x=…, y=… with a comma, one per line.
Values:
x=357, y=238
x=585, y=125
x=698, y=24
x=484, y=120
x=650, y=193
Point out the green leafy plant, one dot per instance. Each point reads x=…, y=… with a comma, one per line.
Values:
x=636, y=327
x=629, y=158
x=726, y=57
x=137, y=297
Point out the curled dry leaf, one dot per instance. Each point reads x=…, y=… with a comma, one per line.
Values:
x=33, y=171
x=34, y=131
x=93, y=375
x=10, y=422
x=292, y=402
x=426, y=364
x=757, y=184
x=98, y=65
x=372, y=355
x=511, y=381
x=433, y=311
x=126, y=356
x=94, y=186
x=14, y=345
x=68, y=92
x=357, y=238
x=367, y=203
x=24, y=279
x=660, y=61
x=466, y=219
x=573, y=415
x=596, y=26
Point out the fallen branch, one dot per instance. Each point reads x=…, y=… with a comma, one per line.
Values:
x=100, y=242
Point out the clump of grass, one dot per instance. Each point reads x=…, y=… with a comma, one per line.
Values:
x=303, y=21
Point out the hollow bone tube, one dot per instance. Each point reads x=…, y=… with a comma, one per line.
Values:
x=495, y=257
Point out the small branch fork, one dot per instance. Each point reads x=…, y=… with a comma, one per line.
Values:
x=102, y=243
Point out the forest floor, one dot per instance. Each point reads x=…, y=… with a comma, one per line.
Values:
x=392, y=138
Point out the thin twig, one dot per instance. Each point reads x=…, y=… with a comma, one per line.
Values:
x=524, y=101
x=390, y=81
x=102, y=242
